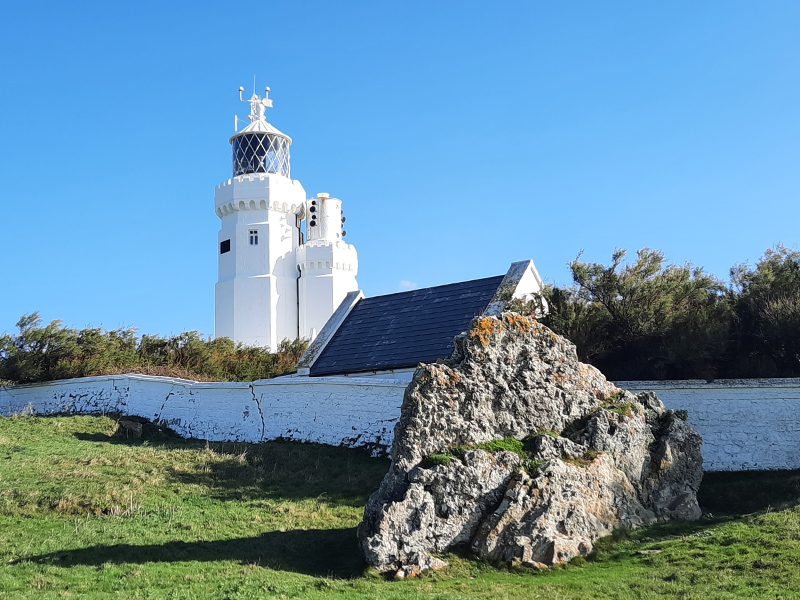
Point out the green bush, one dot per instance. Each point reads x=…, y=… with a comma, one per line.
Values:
x=44, y=353
x=652, y=320
x=766, y=301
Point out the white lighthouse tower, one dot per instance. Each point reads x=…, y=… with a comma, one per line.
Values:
x=271, y=285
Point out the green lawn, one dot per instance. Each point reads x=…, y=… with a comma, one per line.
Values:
x=86, y=514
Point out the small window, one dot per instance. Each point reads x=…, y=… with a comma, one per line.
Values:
x=224, y=246
x=254, y=237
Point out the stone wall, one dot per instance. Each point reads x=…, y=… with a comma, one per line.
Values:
x=746, y=424
x=329, y=410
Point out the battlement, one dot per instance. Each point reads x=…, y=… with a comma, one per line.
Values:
x=259, y=191
x=326, y=255
x=261, y=204
x=326, y=265
x=322, y=243
x=253, y=177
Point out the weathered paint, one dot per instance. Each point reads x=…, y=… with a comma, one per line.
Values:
x=745, y=424
x=328, y=410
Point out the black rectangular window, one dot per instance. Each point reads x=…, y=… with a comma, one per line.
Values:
x=224, y=246
x=254, y=237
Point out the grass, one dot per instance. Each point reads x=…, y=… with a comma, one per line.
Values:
x=87, y=514
x=523, y=449
x=508, y=444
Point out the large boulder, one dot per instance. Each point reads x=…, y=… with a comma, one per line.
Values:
x=592, y=457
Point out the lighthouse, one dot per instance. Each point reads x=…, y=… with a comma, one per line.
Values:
x=283, y=264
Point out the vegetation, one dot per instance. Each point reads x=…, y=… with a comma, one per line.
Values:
x=438, y=459
x=640, y=320
x=622, y=408
x=86, y=513
x=548, y=433
x=509, y=444
x=651, y=320
x=44, y=353
x=523, y=449
x=585, y=460
x=766, y=302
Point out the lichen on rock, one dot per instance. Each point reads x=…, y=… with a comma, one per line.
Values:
x=619, y=460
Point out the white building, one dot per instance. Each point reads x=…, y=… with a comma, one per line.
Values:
x=272, y=283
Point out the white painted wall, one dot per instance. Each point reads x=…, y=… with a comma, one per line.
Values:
x=256, y=291
x=328, y=410
x=327, y=273
x=324, y=218
x=746, y=424
x=258, y=298
x=328, y=265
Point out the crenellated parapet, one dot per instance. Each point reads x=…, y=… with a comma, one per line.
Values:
x=322, y=255
x=259, y=191
x=262, y=204
x=329, y=244
x=326, y=265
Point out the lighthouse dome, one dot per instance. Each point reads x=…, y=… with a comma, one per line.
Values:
x=260, y=147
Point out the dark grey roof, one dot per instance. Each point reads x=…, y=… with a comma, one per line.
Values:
x=403, y=329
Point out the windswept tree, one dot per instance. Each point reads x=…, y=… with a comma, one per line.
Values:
x=644, y=319
x=36, y=353
x=766, y=300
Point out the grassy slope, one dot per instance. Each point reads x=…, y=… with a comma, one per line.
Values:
x=84, y=514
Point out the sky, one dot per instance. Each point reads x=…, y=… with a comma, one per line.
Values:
x=460, y=137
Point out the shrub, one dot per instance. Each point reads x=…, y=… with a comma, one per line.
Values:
x=645, y=319
x=766, y=302
x=652, y=320
x=44, y=353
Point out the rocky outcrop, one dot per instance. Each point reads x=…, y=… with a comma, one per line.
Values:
x=520, y=452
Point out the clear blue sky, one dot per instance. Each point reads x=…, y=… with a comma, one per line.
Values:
x=461, y=136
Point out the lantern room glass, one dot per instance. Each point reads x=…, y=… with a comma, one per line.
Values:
x=260, y=153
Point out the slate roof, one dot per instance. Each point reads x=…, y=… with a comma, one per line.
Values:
x=400, y=330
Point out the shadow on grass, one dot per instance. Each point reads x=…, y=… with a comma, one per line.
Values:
x=616, y=547
x=749, y=491
x=724, y=497
x=317, y=552
x=278, y=469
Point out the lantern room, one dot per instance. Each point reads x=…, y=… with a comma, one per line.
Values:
x=260, y=147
